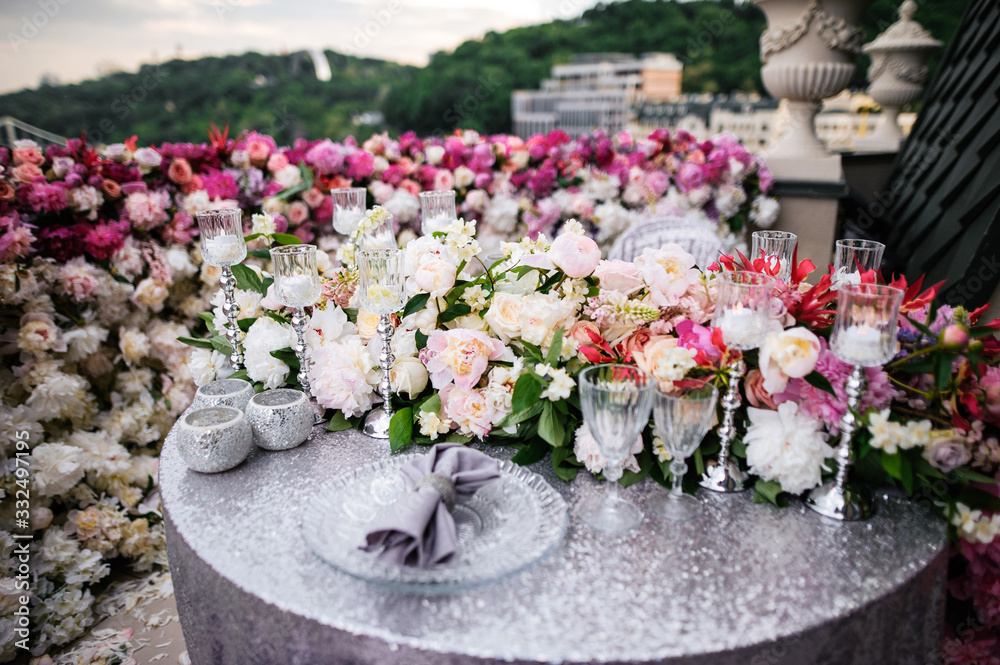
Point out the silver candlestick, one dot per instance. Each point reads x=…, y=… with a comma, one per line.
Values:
x=836, y=499
x=726, y=475
x=299, y=322
x=229, y=307
x=377, y=422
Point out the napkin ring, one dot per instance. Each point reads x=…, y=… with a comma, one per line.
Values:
x=442, y=485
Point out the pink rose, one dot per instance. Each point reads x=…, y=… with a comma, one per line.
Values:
x=575, y=255
x=313, y=198
x=111, y=189
x=753, y=384
x=621, y=276
x=258, y=151
x=581, y=329
x=26, y=172
x=410, y=186
x=28, y=156
x=468, y=409
x=276, y=162
x=297, y=213
x=179, y=171
x=459, y=355
x=444, y=180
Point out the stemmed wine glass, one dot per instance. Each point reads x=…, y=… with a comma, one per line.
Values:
x=854, y=256
x=437, y=210
x=616, y=401
x=381, y=278
x=742, y=311
x=775, y=246
x=222, y=245
x=296, y=285
x=683, y=416
x=864, y=335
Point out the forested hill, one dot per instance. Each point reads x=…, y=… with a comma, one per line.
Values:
x=717, y=40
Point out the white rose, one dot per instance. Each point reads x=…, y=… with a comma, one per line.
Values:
x=464, y=177
x=408, y=375
x=436, y=277
x=367, y=323
x=788, y=354
x=434, y=154
x=274, y=206
x=504, y=315
x=290, y=176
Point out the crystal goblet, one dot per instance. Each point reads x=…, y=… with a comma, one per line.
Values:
x=854, y=256
x=616, y=401
x=775, y=247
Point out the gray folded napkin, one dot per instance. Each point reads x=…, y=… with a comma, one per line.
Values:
x=418, y=530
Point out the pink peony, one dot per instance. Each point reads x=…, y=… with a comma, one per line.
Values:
x=668, y=272
x=459, y=355
x=621, y=276
x=469, y=409
x=326, y=157
x=47, y=198
x=15, y=239
x=147, y=210
x=575, y=255
x=360, y=165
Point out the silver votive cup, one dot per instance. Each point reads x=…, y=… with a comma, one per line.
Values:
x=214, y=439
x=225, y=392
x=280, y=419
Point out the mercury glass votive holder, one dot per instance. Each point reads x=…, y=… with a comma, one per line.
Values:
x=280, y=419
x=437, y=210
x=214, y=439
x=775, y=246
x=225, y=392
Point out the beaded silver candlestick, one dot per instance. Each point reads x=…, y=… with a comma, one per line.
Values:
x=741, y=313
x=296, y=285
x=864, y=335
x=380, y=290
x=222, y=245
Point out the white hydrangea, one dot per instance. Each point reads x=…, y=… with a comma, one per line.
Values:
x=764, y=211
x=786, y=446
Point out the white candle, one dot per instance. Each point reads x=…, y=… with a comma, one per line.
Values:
x=346, y=220
x=297, y=290
x=860, y=345
x=741, y=327
x=435, y=223
x=224, y=250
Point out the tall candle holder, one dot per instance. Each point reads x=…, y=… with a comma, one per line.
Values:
x=741, y=313
x=437, y=210
x=296, y=285
x=775, y=246
x=864, y=335
x=381, y=279
x=348, y=208
x=222, y=245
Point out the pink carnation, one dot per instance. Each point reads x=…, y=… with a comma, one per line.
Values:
x=459, y=355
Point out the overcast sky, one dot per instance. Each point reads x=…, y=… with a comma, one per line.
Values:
x=74, y=39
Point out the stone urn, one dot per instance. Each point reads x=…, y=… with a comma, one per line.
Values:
x=808, y=51
x=897, y=75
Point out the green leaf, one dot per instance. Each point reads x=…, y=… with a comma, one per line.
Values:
x=286, y=239
x=288, y=357
x=533, y=351
x=401, y=429
x=455, y=437
x=817, y=380
x=521, y=416
x=556, y=349
x=253, y=236
x=893, y=465
x=352, y=314
x=532, y=452
x=196, y=342
x=421, y=340
x=550, y=426
x=221, y=345
x=921, y=327
x=526, y=392
x=455, y=311
x=978, y=499
x=338, y=423
x=416, y=303
x=260, y=253
x=242, y=374
x=766, y=491
x=431, y=404
x=943, y=370
x=247, y=279
x=565, y=466
x=969, y=476
x=245, y=324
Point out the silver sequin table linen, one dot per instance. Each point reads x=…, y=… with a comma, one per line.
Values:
x=745, y=583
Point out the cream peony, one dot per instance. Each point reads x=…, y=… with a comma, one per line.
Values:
x=575, y=255
x=151, y=293
x=436, y=277
x=134, y=344
x=786, y=446
x=504, y=315
x=787, y=354
x=542, y=314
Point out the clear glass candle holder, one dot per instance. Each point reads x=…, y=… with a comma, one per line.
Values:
x=867, y=323
x=775, y=247
x=742, y=307
x=222, y=245
x=853, y=257
x=377, y=230
x=348, y=208
x=221, y=237
x=296, y=277
x=381, y=277
x=437, y=210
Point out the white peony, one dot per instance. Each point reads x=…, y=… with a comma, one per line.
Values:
x=403, y=206
x=786, y=446
x=327, y=326
x=207, y=365
x=541, y=314
x=179, y=260
x=764, y=211
x=289, y=176
x=728, y=200
x=56, y=468
x=668, y=272
x=343, y=376
x=267, y=335
x=134, y=344
x=84, y=341
x=501, y=214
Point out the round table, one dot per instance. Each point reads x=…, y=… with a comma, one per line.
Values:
x=745, y=583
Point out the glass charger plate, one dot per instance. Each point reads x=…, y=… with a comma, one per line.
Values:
x=505, y=527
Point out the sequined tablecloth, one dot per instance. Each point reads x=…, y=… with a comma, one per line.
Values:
x=745, y=583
